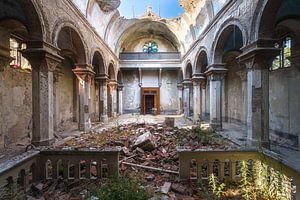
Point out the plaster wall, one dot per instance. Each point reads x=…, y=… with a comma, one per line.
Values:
x=65, y=96
x=150, y=78
x=131, y=91
x=233, y=96
x=169, y=92
x=15, y=105
x=285, y=106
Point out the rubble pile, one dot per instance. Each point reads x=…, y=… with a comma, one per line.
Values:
x=149, y=153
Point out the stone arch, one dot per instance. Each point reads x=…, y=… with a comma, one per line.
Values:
x=264, y=22
x=229, y=26
x=188, y=71
x=97, y=61
x=74, y=29
x=27, y=13
x=201, y=61
x=120, y=77
x=111, y=71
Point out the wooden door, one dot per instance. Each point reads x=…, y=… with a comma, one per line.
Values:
x=150, y=97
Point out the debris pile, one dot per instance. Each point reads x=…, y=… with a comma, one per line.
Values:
x=149, y=153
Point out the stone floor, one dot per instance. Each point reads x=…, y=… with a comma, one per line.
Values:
x=238, y=134
x=235, y=133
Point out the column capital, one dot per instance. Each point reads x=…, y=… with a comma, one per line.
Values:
x=180, y=86
x=198, y=78
x=262, y=52
x=39, y=52
x=216, y=72
x=84, y=71
x=120, y=87
x=187, y=83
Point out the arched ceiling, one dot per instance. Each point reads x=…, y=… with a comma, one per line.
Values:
x=144, y=28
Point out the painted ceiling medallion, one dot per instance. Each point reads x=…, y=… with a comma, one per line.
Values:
x=108, y=5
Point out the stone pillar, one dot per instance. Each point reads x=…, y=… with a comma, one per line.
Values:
x=243, y=76
x=203, y=99
x=103, y=81
x=84, y=74
x=258, y=60
x=180, y=98
x=112, y=86
x=197, y=78
x=56, y=77
x=187, y=84
x=216, y=74
x=120, y=96
x=43, y=59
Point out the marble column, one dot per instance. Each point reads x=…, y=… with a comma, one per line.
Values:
x=187, y=84
x=120, y=96
x=43, y=58
x=203, y=99
x=112, y=86
x=243, y=76
x=84, y=74
x=258, y=60
x=180, y=98
x=216, y=74
x=197, y=78
x=103, y=82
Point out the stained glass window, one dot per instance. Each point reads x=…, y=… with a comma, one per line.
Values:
x=150, y=47
x=19, y=62
x=283, y=60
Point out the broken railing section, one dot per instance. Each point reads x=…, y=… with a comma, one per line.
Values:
x=22, y=171
x=226, y=166
x=83, y=164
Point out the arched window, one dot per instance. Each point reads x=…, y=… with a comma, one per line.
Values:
x=283, y=60
x=150, y=47
x=18, y=62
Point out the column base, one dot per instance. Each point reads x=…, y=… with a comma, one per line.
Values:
x=43, y=143
x=104, y=118
x=216, y=126
x=85, y=126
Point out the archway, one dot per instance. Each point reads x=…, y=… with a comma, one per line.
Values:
x=111, y=92
x=97, y=101
x=19, y=23
x=201, y=67
x=188, y=91
x=65, y=83
x=234, y=87
x=282, y=25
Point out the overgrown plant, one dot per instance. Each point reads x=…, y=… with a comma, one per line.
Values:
x=246, y=185
x=120, y=189
x=217, y=188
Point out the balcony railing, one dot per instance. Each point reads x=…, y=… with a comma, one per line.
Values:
x=226, y=165
x=150, y=56
x=18, y=174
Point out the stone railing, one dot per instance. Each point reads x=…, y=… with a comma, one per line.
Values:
x=20, y=172
x=226, y=166
x=150, y=56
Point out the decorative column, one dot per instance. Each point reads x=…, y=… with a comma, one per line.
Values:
x=103, y=82
x=258, y=59
x=43, y=58
x=84, y=74
x=187, y=84
x=203, y=98
x=120, y=96
x=197, y=79
x=112, y=86
x=216, y=74
x=56, y=77
x=180, y=98
x=243, y=76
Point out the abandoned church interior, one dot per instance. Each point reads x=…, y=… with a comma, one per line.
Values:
x=222, y=73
